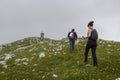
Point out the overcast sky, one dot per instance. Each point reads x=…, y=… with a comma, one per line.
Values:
x=27, y=18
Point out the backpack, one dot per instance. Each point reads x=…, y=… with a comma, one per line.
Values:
x=94, y=35
x=71, y=35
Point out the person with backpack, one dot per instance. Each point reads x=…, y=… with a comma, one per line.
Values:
x=72, y=37
x=92, y=36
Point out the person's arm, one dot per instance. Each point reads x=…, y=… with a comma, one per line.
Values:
x=75, y=36
x=68, y=34
x=88, y=34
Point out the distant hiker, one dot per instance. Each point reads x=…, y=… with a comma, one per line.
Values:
x=42, y=35
x=72, y=37
x=92, y=36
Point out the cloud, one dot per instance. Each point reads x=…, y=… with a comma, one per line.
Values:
x=22, y=18
x=109, y=27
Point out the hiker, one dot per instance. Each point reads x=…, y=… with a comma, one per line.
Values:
x=42, y=35
x=92, y=36
x=72, y=37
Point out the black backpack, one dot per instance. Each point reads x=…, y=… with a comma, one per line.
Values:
x=94, y=34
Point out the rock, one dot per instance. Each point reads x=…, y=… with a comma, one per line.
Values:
x=25, y=63
x=8, y=56
x=42, y=54
x=109, y=45
x=117, y=79
x=55, y=75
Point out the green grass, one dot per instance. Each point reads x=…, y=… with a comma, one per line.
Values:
x=59, y=63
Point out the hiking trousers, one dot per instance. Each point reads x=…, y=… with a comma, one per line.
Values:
x=72, y=43
x=91, y=45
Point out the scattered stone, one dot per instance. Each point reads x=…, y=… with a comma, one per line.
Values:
x=44, y=49
x=87, y=65
x=24, y=59
x=117, y=79
x=8, y=56
x=17, y=60
x=55, y=75
x=25, y=63
x=5, y=66
x=42, y=54
x=109, y=45
x=2, y=72
x=3, y=63
x=33, y=70
x=22, y=48
x=35, y=64
x=43, y=77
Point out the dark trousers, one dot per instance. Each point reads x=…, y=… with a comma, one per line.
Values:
x=92, y=46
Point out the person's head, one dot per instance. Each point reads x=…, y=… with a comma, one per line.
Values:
x=90, y=24
x=73, y=30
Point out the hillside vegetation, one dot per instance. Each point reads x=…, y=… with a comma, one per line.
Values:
x=36, y=59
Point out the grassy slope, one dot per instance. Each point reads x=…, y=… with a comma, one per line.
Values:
x=58, y=63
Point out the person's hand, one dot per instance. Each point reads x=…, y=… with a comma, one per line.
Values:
x=75, y=39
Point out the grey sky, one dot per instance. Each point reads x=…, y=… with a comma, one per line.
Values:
x=26, y=18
